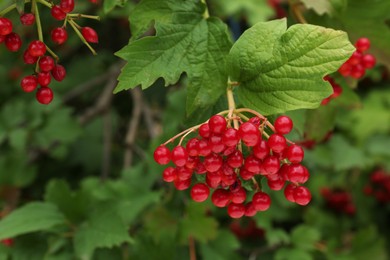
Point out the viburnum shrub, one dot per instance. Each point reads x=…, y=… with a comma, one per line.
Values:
x=339, y=200
x=37, y=51
x=379, y=186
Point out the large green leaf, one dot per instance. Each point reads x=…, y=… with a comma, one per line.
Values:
x=35, y=216
x=188, y=44
x=304, y=237
x=280, y=70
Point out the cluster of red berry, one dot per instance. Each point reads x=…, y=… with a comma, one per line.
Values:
x=339, y=200
x=359, y=62
x=337, y=90
x=231, y=159
x=246, y=229
x=7, y=242
x=46, y=66
x=379, y=186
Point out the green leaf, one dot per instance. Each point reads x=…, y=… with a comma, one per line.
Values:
x=292, y=253
x=20, y=6
x=281, y=70
x=191, y=45
x=319, y=122
x=104, y=229
x=109, y=5
x=35, y=216
x=221, y=248
x=368, y=244
x=319, y=6
x=304, y=237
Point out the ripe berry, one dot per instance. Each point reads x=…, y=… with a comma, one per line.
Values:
x=162, y=155
x=192, y=162
x=230, y=137
x=236, y=210
x=57, y=13
x=67, y=5
x=13, y=42
x=29, y=83
x=89, y=34
x=275, y=184
x=283, y=125
x=46, y=63
x=44, y=95
x=245, y=174
x=5, y=26
x=27, y=19
x=204, y=130
x=37, y=48
x=179, y=156
x=235, y=159
x=261, y=150
x=296, y=173
x=357, y=71
x=44, y=78
x=200, y=192
x=204, y=148
x=362, y=44
x=252, y=164
x=220, y=198
x=239, y=196
x=355, y=58
x=271, y=164
x=192, y=147
x=277, y=142
x=58, y=72
x=28, y=59
x=249, y=134
x=368, y=61
x=261, y=201
x=250, y=210
x=217, y=124
x=169, y=174
x=213, y=162
x=345, y=69
x=183, y=173
x=216, y=143
x=59, y=35
x=302, y=195
x=182, y=184
x=294, y=153
x=213, y=179
x=289, y=192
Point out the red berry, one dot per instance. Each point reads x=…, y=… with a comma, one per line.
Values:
x=200, y=192
x=277, y=142
x=283, y=125
x=57, y=13
x=289, y=192
x=230, y=137
x=220, y=198
x=59, y=35
x=235, y=159
x=252, y=164
x=182, y=184
x=192, y=162
x=44, y=78
x=213, y=162
x=302, y=195
x=162, y=155
x=236, y=210
x=217, y=124
x=271, y=164
x=169, y=174
x=46, y=63
x=239, y=196
x=216, y=143
x=67, y=5
x=44, y=95
x=204, y=130
x=37, y=48
x=368, y=61
x=213, y=179
x=5, y=26
x=362, y=44
x=13, y=42
x=261, y=150
x=7, y=242
x=294, y=153
x=261, y=201
x=183, y=173
x=249, y=134
x=28, y=59
x=204, y=148
x=275, y=184
x=357, y=71
x=27, y=19
x=179, y=156
x=355, y=59
x=89, y=34
x=245, y=174
x=29, y=83
x=250, y=210
x=192, y=147
x=296, y=173
x=345, y=69
x=58, y=72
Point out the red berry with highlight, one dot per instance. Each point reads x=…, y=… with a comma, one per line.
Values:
x=236, y=210
x=261, y=201
x=44, y=95
x=162, y=155
x=59, y=35
x=57, y=13
x=58, y=72
x=179, y=156
x=37, y=48
x=362, y=44
x=221, y=198
x=294, y=153
x=28, y=59
x=217, y=124
x=67, y=5
x=200, y=192
x=27, y=19
x=302, y=195
x=13, y=42
x=44, y=78
x=5, y=26
x=283, y=125
x=249, y=134
x=368, y=61
x=89, y=34
x=230, y=137
x=29, y=83
x=46, y=63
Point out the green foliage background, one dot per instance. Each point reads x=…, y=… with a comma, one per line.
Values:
x=77, y=177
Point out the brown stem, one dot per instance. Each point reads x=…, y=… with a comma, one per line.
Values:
x=296, y=10
x=192, y=248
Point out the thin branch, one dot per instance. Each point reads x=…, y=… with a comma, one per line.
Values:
x=192, y=248
x=149, y=122
x=136, y=95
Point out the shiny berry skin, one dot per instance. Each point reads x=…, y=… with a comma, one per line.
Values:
x=345, y=69
x=183, y=173
x=217, y=124
x=357, y=71
x=355, y=59
x=216, y=143
x=283, y=125
x=235, y=159
x=213, y=179
x=261, y=201
x=89, y=34
x=46, y=63
x=236, y=210
x=37, y=48
x=162, y=155
x=13, y=42
x=271, y=164
x=261, y=150
x=58, y=72
x=277, y=184
x=204, y=130
x=28, y=59
x=220, y=198
x=277, y=143
x=44, y=79
x=179, y=156
x=213, y=162
x=5, y=26
x=249, y=134
x=362, y=44
x=368, y=61
x=29, y=83
x=239, y=196
x=67, y=5
x=27, y=19
x=44, y=95
x=289, y=192
x=245, y=174
x=182, y=184
x=57, y=13
x=230, y=137
x=169, y=174
x=59, y=35
x=294, y=153
x=192, y=147
x=200, y=192
x=204, y=148
x=302, y=195
x=252, y=164
x=296, y=173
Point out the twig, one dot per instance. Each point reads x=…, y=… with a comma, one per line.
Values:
x=136, y=95
x=295, y=8
x=192, y=249
x=107, y=144
x=148, y=118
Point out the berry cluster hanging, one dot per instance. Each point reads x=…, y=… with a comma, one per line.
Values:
x=38, y=52
x=229, y=157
